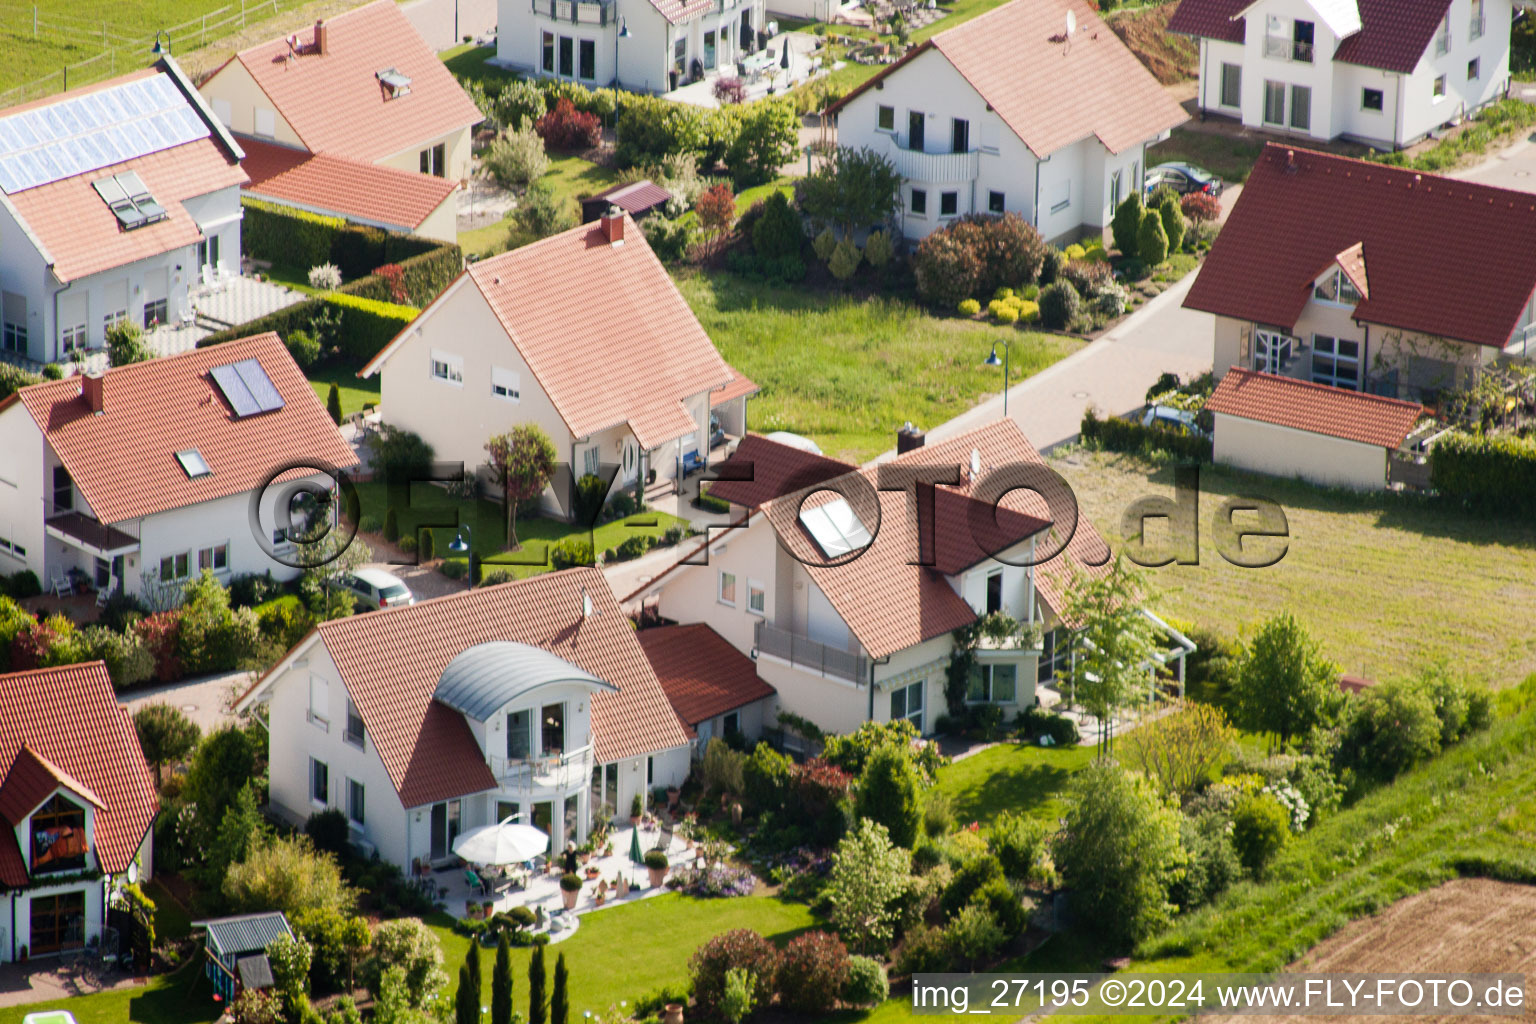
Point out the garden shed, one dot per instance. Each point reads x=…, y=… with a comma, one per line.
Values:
x=237, y=951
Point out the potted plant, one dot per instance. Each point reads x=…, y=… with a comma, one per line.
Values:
x=600, y=899
x=570, y=888
x=585, y=850
x=674, y=1014
x=656, y=864
x=636, y=807
x=608, y=848
x=687, y=828
x=591, y=872
x=673, y=794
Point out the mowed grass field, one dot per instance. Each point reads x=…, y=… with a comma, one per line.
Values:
x=1386, y=585
x=848, y=371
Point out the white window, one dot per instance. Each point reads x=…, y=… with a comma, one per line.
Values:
x=176, y=567
x=993, y=684
x=15, y=316
x=1301, y=108
x=1055, y=653
x=355, y=802
x=320, y=702
x=907, y=702
x=1439, y=88
x=726, y=593
x=1478, y=24
x=1271, y=350
x=506, y=384
x=592, y=460
x=885, y=118
x=112, y=319
x=73, y=337
x=1061, y=195
x=1372, y=99
x=354, y=731
x=215, y=558
x=1274, y=103
x=1277, y=37
x=757, y=597
x=448, y=367
x=1443, y=37
x=1231, y=85
x=266, y=123
x=1336, y=288
x=319, y=782
x=1336, y=361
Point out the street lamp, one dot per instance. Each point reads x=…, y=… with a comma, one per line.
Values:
x=622, y=33
x=992, y=360
x=460, y=543
x=161, y=49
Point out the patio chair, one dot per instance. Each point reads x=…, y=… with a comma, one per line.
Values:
x=188, y=315
x=104, y=594
x=60, y=584
x=210, y=283
x=225, y=274
x=692, y=463
x=474, y=881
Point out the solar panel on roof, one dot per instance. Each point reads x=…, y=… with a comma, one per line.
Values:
x=260, y=385
x=128, y=120
x=247, y=388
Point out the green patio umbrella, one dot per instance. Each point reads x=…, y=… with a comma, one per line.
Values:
x=634, y=847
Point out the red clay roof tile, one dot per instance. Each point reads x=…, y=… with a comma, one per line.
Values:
x=390, y=662
x=739, y=387
x=1316, y=408
x=154, y=409
x=760, y=470
x=1210, y=19
x=702, y=674
x=1049, y=93
x=1473, y=286
x=350, y=188
x=334, y=101
x=30, y=779
x=70, y=717
x=1393, y=33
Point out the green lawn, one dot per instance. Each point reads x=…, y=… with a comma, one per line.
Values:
x=1386, y=584
x=1011, y=777
x=184, y=997
x=849, y=370
x=572, y=177
x=430, y=506
x=1228, y=158
x=628, y=951
x=355, y=391
x=746, y=197
x=469, y=61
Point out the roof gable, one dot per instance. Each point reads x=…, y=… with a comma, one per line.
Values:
x=1049, y=91
x=1472, y=287
x=702, y=674
x=1341, y=16
x=31, y=779
x=154, y=409
x=69, y=720
x=1388, y=34
x=334, y=101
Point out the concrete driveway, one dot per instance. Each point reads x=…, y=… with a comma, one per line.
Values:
x=1514, y=166
x=204, y=700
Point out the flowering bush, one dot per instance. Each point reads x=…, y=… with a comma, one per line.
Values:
x=730, y=91
x=161, y=634
x=1294, y=803
x=393, y=275
x=325, y=276
x=716, y=881
x=565, y=127
x=742, y=949
x=1200, y=207
x=812, y=972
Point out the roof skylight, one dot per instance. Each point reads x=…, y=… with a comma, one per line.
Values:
x=129, y=199
x=835, y=528
x=193, y=463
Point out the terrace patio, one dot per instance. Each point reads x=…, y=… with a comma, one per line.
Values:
x=539, y=888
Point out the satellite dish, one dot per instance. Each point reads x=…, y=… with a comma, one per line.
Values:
x=975, y=463
x=133, y=873
x=1071, y=23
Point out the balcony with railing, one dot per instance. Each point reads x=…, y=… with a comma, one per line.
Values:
x=915, y=165
x=565, y=771
x=803, y=652
x=577, y=12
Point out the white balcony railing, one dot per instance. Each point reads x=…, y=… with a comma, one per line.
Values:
x=803, y=652
x=557, y=771
x=914, y=165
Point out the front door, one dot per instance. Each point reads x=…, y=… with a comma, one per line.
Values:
x=58, y=922
x=445, y=828
x=1271, y=349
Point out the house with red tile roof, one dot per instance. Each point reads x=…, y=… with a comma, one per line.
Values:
x=146, y=474
x=530, y=699
x=846, y=585
x=77, y=800
x=1382, y=72
x=625, y=379
x=652, y=47
x=1034, y=108
x=713, y=687
x=355, y=117
x=112, y=196
x=1370, y=278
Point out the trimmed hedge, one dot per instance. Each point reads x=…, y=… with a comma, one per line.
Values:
x=1490, y=474
x=367, y=325
x=1117, y=435
x=298, y=238
x=14, y=378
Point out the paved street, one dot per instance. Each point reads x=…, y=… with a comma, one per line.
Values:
x=1515, y=166
x=204, y=700
x=444, y=23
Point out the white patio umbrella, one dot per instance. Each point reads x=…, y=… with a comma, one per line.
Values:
x=503, y=843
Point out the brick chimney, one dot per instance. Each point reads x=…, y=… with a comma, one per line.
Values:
x=93, y=389
x=613, y=226
x=320, y=36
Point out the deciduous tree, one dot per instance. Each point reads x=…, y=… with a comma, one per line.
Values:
x=165, y=735
x=1113, y=644
x=869, y=876
x=1285, y=686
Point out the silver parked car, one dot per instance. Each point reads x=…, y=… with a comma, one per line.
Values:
x=375, y=588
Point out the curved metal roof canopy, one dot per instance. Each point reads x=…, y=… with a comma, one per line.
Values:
x=488, y=676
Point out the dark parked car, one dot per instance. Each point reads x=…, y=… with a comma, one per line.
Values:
x=1183, y=179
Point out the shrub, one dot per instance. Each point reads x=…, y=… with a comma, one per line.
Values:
x=778, y=232
x=866, y=984
x=569, y=552
x=869, y=878
x=969, y=307
x=401, y=456
x=729, y=90
x=632, y=547
x=391, y=525
x=567, y=128
x=973, y=935
x=947, y=268
x=542, y=212
x=304, y=348
x=125, y=344
x=845, y=260
x=813, y=970
x=888, y=794
x=1059, y=305
x=128, y=660
x=739, y=949
x=329, y=831
x=668, y=238
x=1260, y=827
x=1151, y=239
x=824, y=245
x=767, y=136
x=878, y=249
x=1020, y=844
x=1118, y=435
x=1074, y=252
x=516, y=158
x=1200, y=207
x=766, y=777
x=1486, y=472
x=1126, y=224
x=407, y=544
x=972, y=876
x=325, y=276
x=1173, y=223
x=924, y=951
x=454, y=568
x=1051, y=265
x=1087, y=277
x=1002, y=311
x=587, y=502
x=426, y=546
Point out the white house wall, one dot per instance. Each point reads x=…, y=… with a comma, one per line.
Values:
x=235, y=98
x=1286, y=452
x=17, y=907
x=1421, y=111
x=21, y=491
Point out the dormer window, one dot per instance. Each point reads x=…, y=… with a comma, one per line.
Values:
x=58, y=836
x=1336, y=287
x=394, y=83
